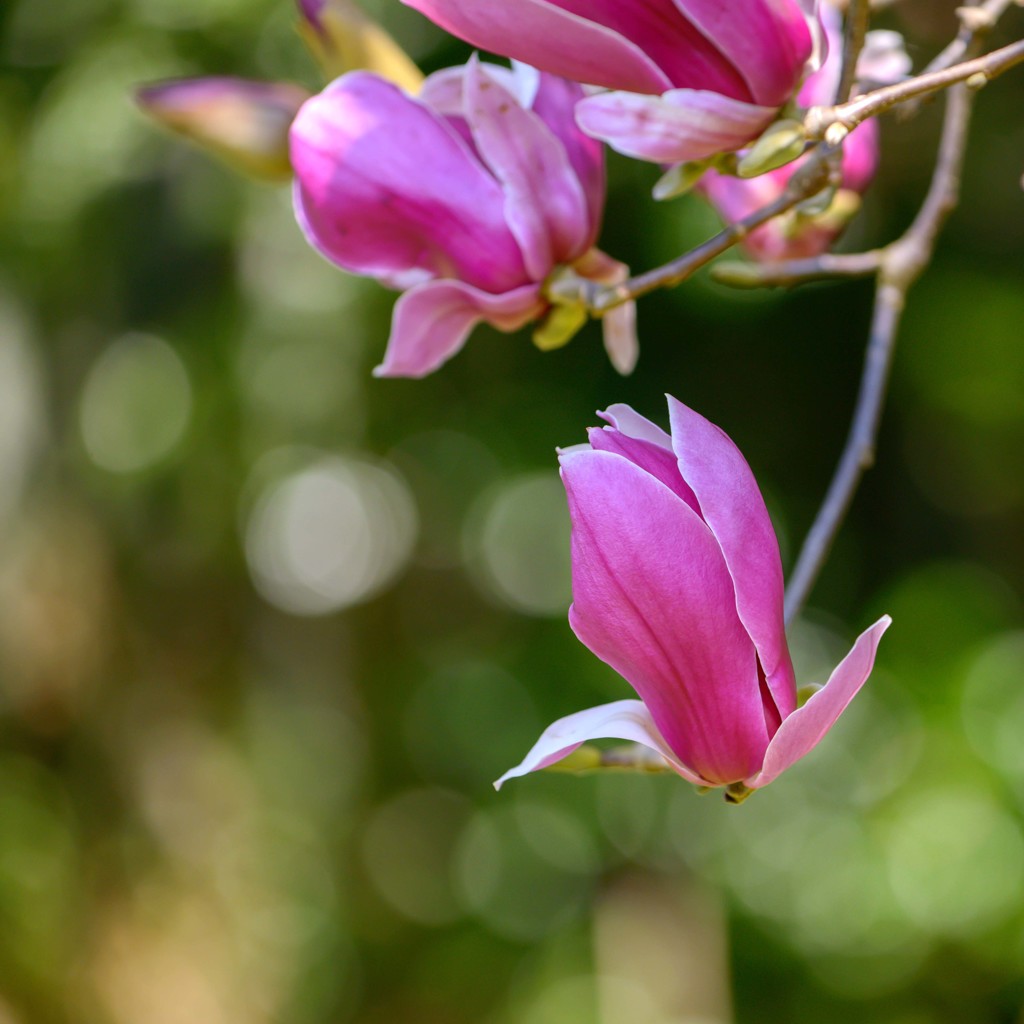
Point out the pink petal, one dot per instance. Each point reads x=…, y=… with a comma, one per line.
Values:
x=619, y=325
x=767, y=42
x=653, y=598
x=689, y=57
x=626, y=419
x=549, y=37
x=555, y=103
x=621, y=720
x=652, y=458
x=432, y=321
x=618, y=329
x=804, y=728
x=732, y=506
x=384, y=186
x=544, y=202
x=680, y=125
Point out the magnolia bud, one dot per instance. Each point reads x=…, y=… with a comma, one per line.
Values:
x=781, y=144
x=245, y=123
x=343, y=38
x=679, y=179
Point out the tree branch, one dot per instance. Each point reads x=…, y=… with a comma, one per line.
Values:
x=835, y=123
x=858, y=16
x=900, y=265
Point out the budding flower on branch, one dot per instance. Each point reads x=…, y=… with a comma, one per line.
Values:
x=801, y=234
x=468, y=198
x=244, y=122
x=686, y=79
x=677, y=585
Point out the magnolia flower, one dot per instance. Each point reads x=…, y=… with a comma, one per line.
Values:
x=677, y=584
x=467, y=198
x=798, y=235
x=688, y=78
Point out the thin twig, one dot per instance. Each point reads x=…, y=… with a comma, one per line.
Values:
x=974, y=22
x=858, y=15
x=901, y=265
x=834, y=123
x=815, y=174
x=787, y=273
x=818, y=171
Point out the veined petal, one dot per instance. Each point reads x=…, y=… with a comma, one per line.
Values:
x=536, y=32
x=544, y=202
x=732, y=506
x=768, y=43
x=627, y=720
x=680, y=125
x=432, y=321
x=804, y=728
x=385, y=186
x=653, y=598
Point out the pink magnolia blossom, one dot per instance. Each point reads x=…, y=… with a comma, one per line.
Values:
x=687, y=78
x=466, y=198
x=677, y=584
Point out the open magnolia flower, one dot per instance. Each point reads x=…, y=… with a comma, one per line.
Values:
x=468, y=198
x=677, y=584
x=687, y=79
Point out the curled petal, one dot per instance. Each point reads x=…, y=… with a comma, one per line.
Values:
x=544, y=203
x=619, y=325
x=680, y=125
x=432, y=321
x=620, y=340
x=732, y=506
x=537, y=32
x=555, y=102
x=653, y=598
x=621, y=720
x=385, y=187
x=804, y=729
x=626, y=419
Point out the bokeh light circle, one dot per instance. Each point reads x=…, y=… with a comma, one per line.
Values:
x=330, y=535
x=135, y=404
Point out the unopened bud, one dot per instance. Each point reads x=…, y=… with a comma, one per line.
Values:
x=344, y=38
x=814, y=205
x=678, y=180
x=245, y=123
x=781, y=144
x=737, y=274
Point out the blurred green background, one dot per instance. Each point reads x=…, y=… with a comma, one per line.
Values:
x=269, y=627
